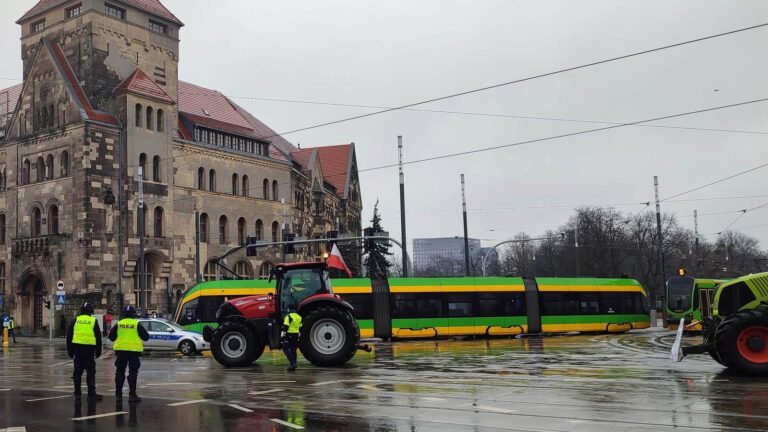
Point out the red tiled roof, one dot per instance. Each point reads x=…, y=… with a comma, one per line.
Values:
x=138, y=82
x=302, y=157
x=152, y=6
x=335, y=161
x=69, y=75
x=9, y=97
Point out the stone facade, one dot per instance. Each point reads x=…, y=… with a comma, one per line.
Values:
x=101, y=97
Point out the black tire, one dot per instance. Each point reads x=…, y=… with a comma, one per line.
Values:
x=235, y=345
x=329, y=336
x=187, y=347
x=727, y=342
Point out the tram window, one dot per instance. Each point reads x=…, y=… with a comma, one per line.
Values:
x=404, y=305
x=492, y=304
x=460, y=305
x=208, y=308
x=429, y=305
x=189, y=313
x=611, y=303
x=361, y=303
x=571, y=303
x=589, y=303
x=551, y=303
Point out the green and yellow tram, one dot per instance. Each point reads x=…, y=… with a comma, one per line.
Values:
x=438, y=307
x=689, y=298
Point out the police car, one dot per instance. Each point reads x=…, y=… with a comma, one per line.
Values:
x=167, y=336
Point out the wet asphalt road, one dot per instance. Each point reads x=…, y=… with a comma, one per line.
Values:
x=574, y=383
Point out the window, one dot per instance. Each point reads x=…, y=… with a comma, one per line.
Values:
x=265, y=187
x=64, y=164
x=51, y=116
x=37, y=26
x=243, y=270
x=235, y=184
x=157, y=27
x=138, y=115
x=190, y=313
x=74, y=11
x=259, y=230
x=40, y=169
x=209, y=271
x=21, y=123
x=2, y=229
x=460, y=305
x=49, y=167
x=362, y=304
x=274, y=190
x=275, y=232
x=44, y=119
x=493, y=304
x=143, y=165
x=733, y=297
x=53, y=219
x=589, y=303
x=149, y=117
x=36, y=222
x=114, y=11
x=212, y=180
x=201, y=178
x=158, y=222
x=244, y=189
x=25, y=172
x=416, y=305
x=160, y=121
x=223, y=228
x=204, y=227
x=156, y=169
x=2, y=278
x=241, y=231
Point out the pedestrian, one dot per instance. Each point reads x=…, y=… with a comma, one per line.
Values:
x=12, y=330
x=128, y=336
x=84, y=346
x=107, y=322
x=290, y=336
x=62, y=326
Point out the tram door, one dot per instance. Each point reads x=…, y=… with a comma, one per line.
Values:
x=706, y=297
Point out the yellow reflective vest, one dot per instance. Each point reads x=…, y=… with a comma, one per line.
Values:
x=11, y=325
x=83, y=330
x=128, y=336
x=293, y=322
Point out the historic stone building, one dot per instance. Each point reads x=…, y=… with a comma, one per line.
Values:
x=101, y=102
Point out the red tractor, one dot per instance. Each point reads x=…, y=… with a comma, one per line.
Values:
x=330, y=335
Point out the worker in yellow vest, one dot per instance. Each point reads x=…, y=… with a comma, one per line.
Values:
x=290, y=336
x=84, y=346
x=12, y=329
x=128, y=337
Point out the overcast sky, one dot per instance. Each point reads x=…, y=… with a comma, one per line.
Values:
x=389, y=53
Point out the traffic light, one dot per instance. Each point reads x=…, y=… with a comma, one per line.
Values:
x=289, y=248
x=250, y=248
x=368, y=232
x=109, y=196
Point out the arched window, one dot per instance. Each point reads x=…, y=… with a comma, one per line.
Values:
x=259, y=230
x=44, y=119
x=40, y=169
x=241, y=231
x=201, y=178
x=275, y=232
x=158, y=221
x=143, y=165
x=22, y=119
x=243, y=270
x=138, y=115
x=64, y=164
x=25, y=172
x=274, y=190
x=36, y=222
x=235, y=184
x=2, y=229
x=160, y=121
x=209, y=272
x=2, y=180
x=265, y=269
x=244, y=189
x=204, y=227
x=265, y=188
x=149, y=117
x=53, y=219
x=49, y=167
x=223, y=228
x=156, y=169
x=51, y=116
x=212, y=180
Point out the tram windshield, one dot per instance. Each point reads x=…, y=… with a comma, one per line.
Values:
x=680, y=293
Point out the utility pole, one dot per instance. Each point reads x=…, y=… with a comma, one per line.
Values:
x=657, y=292
x=576, y=246
x=142, y=223
x=466, y=239
x=402, y=204
x=696, y=232
x=198, y=277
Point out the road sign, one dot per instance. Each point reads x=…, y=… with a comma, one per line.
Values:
x=60, y=299
x=2, y=301
x=60, y=293
x=59, y=307
x=60, y=285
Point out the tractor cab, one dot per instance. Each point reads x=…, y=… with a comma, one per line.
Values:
x=299, y=282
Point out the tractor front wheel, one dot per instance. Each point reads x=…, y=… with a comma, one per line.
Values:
x=741, y=342
x=329, y=336
x=235, y=345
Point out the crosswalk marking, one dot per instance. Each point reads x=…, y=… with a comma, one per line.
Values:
x=48, y=398
x=264, y=392
x=188, y=402
x=495, y=409
x=15, y=429
x=112, y=414
x=369, y=387
x=241, y=408
x=433, y=399
x=285, y=423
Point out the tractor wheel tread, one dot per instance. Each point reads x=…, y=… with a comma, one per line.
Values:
x=253, y=349
x=347, y=351
x=726, y=350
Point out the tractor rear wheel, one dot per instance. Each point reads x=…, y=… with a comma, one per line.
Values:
x=235, y=345
x=329, y=336
x=741, y=342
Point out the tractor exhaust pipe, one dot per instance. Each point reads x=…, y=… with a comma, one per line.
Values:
x=365, y=348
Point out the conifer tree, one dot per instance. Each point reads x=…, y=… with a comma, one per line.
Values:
x=376, y=263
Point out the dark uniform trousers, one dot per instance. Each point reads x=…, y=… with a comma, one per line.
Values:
x=290, y=344
x=133, y=361
x=84, y=361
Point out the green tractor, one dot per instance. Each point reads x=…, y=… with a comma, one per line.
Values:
x=737, y=334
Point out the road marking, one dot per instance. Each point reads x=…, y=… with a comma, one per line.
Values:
x=494, y=409
x=274, y=382
x=117, y=413
x=5, y=389
x=15, y=429
x=369, y=387
x=61, y=364
x=433, y=399
x=48, y=398
x=166, y=384
x=188, y=402
x=285, y=423
x=265, y=392
x=63, y=387
x=326, y=383
x=241, y=408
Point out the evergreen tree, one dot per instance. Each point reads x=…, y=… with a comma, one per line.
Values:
x=376, y=263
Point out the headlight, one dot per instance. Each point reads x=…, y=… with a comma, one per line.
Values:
x=199, y=338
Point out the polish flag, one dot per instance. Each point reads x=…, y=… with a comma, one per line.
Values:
x=336, y=261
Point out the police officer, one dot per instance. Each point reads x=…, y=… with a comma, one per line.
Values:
x=127, y=336
x=84, y=346
x=290, y=336
x=12, y=329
